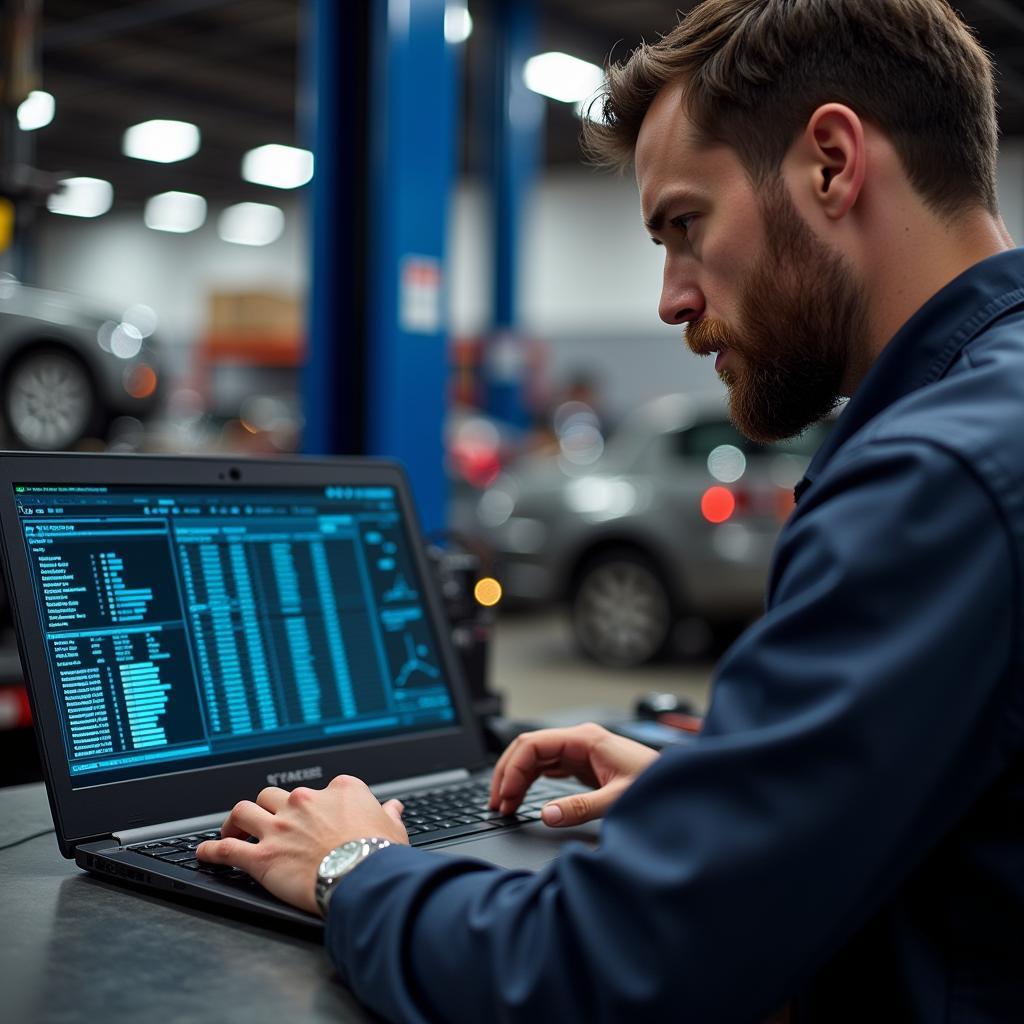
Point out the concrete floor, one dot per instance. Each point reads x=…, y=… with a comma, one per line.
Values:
x=535, y=665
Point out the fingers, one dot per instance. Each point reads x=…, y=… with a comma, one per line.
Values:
x=519, y=765
x=236, y=852
x=246, y=819
x=581, y=807
x=272, y=799
x=561, y=751
x=394, y=809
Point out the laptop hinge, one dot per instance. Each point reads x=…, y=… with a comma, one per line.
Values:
x=388, y=789
x=131, y=836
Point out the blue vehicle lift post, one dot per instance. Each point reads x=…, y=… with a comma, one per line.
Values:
x=395, y=368
x=516, y=126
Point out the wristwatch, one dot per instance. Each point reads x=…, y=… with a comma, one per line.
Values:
x=339, y=862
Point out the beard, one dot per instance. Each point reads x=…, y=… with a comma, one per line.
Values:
x=803, y=316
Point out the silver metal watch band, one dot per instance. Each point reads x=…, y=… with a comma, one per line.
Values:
x=325, y=885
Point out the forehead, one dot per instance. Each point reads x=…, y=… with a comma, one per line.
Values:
x=670, y=156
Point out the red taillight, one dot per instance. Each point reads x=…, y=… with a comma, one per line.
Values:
x=718, y=504
x=14, y=711
x=480, y=466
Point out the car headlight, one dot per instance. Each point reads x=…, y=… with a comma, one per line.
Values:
x=601, y=497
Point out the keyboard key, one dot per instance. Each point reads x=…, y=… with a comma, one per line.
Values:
x=178, y=855
x=215, y=869
x=452, y=833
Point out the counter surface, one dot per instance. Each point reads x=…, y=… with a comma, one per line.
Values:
x=74, y=947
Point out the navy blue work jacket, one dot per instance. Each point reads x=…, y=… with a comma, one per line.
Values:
x=848, y=831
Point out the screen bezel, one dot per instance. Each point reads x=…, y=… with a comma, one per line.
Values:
x=87, y=812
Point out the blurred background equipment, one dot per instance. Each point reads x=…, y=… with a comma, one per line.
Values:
x=471, y=598
x=674, y=518
x=67, y=372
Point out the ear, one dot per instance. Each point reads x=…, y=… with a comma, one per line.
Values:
x=831, y=156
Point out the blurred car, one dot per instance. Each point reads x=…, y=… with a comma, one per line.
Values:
x=67, y=370
x=675, y=518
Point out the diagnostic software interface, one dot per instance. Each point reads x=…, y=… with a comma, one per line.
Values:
x=187, y=626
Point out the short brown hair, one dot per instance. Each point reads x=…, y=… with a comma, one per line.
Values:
x=755, y=70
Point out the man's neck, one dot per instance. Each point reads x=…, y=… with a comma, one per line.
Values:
x=915, y=263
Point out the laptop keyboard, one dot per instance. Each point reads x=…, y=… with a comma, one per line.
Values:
x=430, y=816
x=452, y=811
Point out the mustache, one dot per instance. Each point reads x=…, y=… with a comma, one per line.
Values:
x=707, y=336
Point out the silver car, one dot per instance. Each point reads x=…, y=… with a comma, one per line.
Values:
x=676, y=519
x=68, y=370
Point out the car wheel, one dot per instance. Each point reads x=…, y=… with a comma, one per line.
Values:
x=49, y=401
x=621, y=610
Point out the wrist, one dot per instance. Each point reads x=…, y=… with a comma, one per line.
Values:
x=340, y=862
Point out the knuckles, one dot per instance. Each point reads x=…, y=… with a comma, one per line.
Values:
x=578, y=806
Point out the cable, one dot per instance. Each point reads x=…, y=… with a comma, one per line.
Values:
x=25, y=839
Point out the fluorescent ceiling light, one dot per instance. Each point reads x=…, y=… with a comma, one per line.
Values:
x=251, y=224
x=278, y=166
x=458, y=23
x=36, y=111
x=561, y=77
x=179, y=212
x=163, y=142
x=82, y=197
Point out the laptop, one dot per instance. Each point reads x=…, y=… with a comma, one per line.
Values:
x=195, y=629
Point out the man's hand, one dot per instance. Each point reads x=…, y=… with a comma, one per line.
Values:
x=296, y=830
x=591, y=754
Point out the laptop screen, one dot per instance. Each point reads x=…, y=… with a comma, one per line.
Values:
x=189, y=626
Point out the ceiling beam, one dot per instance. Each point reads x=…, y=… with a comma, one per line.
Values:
x=118, y=20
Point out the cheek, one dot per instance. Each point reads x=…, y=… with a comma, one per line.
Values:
x=727, y=262
x=724, y=287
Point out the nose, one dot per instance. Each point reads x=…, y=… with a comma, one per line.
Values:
x=681, y=300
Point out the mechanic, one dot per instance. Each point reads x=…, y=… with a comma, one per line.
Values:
x=846, y=837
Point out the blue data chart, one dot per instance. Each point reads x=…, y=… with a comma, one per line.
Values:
x=203, y=626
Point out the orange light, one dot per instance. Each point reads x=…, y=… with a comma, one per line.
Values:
x=140, y=381
x=718, y=504
x=487, y=591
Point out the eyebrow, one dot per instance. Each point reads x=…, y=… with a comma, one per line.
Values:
x=656, y=221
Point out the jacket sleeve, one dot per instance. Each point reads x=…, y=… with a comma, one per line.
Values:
x=849, y=729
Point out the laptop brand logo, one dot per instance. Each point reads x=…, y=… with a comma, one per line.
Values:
x=296, y=775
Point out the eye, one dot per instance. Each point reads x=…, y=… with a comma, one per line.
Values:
x=683, y=222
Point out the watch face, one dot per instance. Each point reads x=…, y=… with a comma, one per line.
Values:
x=338, y=860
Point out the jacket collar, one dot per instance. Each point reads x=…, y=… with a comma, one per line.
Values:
x=926, y=346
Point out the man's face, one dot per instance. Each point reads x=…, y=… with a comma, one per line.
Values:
x=748, y=277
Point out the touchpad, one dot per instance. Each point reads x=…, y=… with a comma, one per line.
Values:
x=527, y=848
